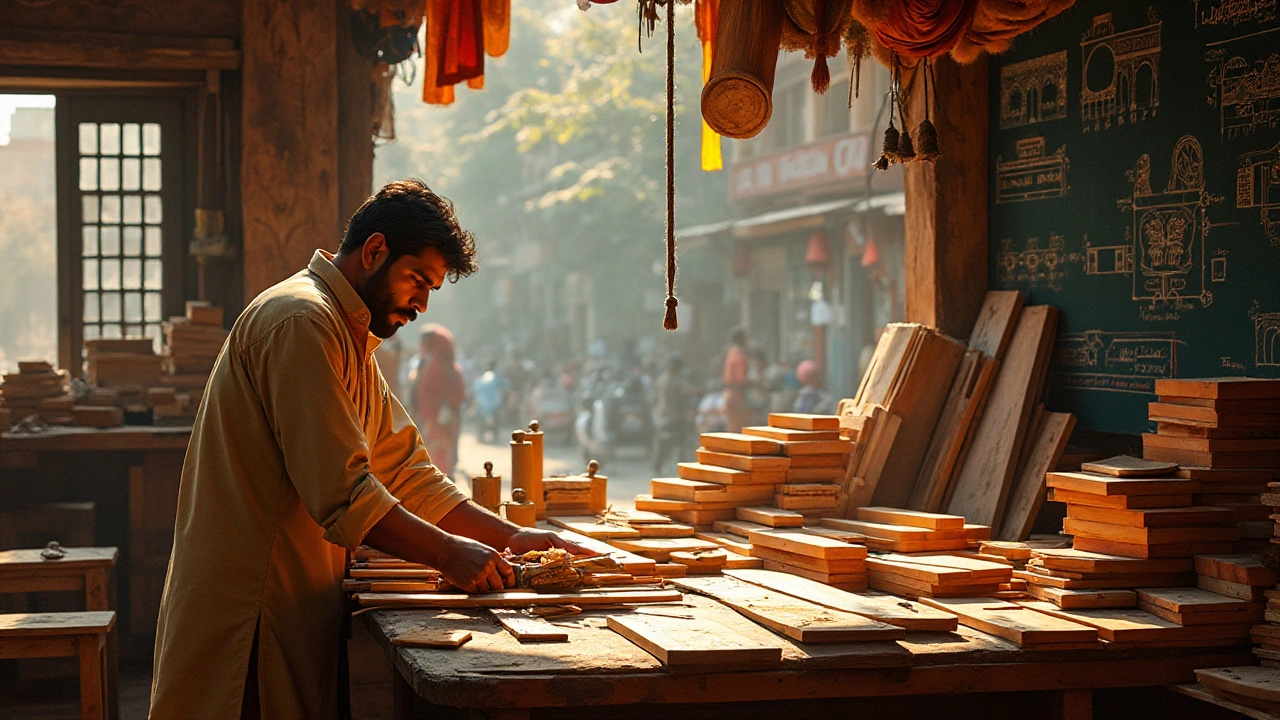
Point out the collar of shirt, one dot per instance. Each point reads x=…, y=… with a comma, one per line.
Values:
x=354, y=311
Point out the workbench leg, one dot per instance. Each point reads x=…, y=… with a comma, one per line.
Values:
x=1077, y=704
x=401, y=696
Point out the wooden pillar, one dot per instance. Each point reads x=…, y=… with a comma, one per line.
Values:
x=355, y=121
x=946, y=222
x=289, y=137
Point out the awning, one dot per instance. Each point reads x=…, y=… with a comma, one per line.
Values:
x=797, y=218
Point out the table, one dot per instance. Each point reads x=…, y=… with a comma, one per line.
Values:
x=597, y=667
x=132, y=474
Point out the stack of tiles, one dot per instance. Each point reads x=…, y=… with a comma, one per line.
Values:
x=1141, y=517
x=36, y=389
x=937, y=575
x=909, y=531
x=817, y=455
x=733, y=470
x=1073, y=578
x=1225, y=432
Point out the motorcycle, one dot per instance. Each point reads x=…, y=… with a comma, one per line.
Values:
x=617, y=416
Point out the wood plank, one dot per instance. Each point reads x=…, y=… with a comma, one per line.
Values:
x=1103, y=485
x=842, y=566
x=1247, y=682
x=1127, y=466
x=698, y=491
x=1131, y=625
x=593, y=528
x=803, y=543
x=850, y=582
x=1209, y=417
x=660, y=549
x=1214, y=459
x=1219, y=388
x=977, y=569
x=749, y=463
x=819, y=474
x=528, y=629
x=741, y=528
x=1126, y=502
x=913, y=589
x=1110, y=581
x=824, y=460
x=806, y=503
x=1228, y=588
x=725, y=540
x=1212, y=445
x=1192, y=600
x=887, y=363
x=729, y=476
x=860, y=486
x=770, y=516
x=1152, y=550
x=1015, y=623
x=1148, y=535
x=804, y=421
x=931, y=575
x=701, y=644
x=1029, y=488
x=806, y=489
x=984, y=480
x=790, y=616
x=28, y=625
x=1155, y=517
x=808, y=448
x=515, y=599
x=785, y=435
x=951, y=436
x=667, y=507
x=996, y=321
x=884, y=608
x=911, y=518
x=739, y=444
x=1083, y=599
x=1244, y=569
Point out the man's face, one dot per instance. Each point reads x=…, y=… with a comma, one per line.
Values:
x=396, y=291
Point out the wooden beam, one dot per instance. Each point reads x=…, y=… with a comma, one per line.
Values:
x=117, y=52
x=355, y=121
x=289, y=137
x=946, y=221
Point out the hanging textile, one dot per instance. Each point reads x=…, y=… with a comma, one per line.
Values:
x=963, y=28
x=462, y=49
x=433, y=92
x=706, y=18
x=497, y=27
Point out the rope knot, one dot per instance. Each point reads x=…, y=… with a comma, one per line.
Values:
x=669, y=320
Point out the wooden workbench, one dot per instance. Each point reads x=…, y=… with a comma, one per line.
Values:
x=495, y=673
x=132, y=474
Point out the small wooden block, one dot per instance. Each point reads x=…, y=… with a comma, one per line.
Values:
x=740, y=444
x=525, y=628
x=1103, y=485
x=803, y=421
x=784, y=435
x=749, y=463
x=1126, y=466
x=429, y=637
x=770, y=516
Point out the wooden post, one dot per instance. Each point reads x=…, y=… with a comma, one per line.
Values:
x=536, y=436
x=946, y=222
x=289, y=172
x=355, y=120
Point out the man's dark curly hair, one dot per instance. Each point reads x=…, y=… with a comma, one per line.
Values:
x=412, y=218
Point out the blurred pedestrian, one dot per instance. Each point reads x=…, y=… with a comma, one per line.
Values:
x=489, y=390
x=812, y=398
x=736, y=381
x=438, y=395
x=671, y=412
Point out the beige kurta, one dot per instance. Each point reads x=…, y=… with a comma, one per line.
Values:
x=297, y=451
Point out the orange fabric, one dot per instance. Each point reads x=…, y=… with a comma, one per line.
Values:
x=925, y=28
x=735, y=367
x=497, y=27
x=432, y=92
x=462, y=47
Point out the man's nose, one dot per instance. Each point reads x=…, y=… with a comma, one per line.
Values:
x=419, y=302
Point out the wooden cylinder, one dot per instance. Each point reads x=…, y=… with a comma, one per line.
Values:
x=737, y=100
x=523, y=467
x=535, y=436
x=520, y=513
x=486, y=490
x=598, y=501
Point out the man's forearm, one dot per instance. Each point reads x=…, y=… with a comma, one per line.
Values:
x=471, y=520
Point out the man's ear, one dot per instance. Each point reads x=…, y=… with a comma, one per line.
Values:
x=374, y=252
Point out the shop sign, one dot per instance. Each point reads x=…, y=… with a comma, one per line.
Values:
x=831, y=161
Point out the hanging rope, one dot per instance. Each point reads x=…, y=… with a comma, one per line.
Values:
x=669, y=320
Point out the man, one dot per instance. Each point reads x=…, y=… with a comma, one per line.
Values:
x=736, y=379
x=300, y=451
x=670, y=416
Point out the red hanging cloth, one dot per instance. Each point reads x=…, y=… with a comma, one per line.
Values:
x=462, y=52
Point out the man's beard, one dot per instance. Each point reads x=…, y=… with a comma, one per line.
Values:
x=377, y=296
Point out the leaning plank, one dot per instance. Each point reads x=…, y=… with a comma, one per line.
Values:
x=682, y=642
x=528, y=629
x=884, y=608
x=1015, y=623
x=1029, y=489
x=982, y=486
x=789, y=616
x=515, y=599
x=996, y=322
x=965, y=400
x=1257, y=683
x=862, y=480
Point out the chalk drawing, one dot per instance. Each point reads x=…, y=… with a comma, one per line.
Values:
x=1033, y=90
x=1033, y=175
x=1120, y=73
x=1128, y=362
x=1258, y=186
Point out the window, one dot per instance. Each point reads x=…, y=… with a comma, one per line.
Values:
x=836, y=109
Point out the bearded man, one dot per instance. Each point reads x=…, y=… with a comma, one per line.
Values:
x=300, y=453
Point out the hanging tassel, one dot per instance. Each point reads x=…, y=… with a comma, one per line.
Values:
x=906, y=149
x=821, y=76
x=927, y=134
x=889, y=149
x=669, y=320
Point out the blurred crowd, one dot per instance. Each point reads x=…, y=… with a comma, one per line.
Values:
x=608, y=400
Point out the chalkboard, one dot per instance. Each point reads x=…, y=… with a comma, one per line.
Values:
x=1135, y=185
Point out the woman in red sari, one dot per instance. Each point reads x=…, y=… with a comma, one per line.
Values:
x=438, y=395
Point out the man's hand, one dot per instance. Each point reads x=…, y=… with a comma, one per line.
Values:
x=472, y=566
x=526, y=539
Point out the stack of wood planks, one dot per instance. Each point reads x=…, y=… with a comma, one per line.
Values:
x=128, y=363
x=817, y=452
x=1225, y=433
x=1247, y=687
x=1073, y=578
x=36, y=389
x=909, y=531
x=807, y=552
x=193, y=341
x=940, y=575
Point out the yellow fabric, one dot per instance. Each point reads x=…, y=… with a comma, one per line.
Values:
x=712, y=159
x=297, y=451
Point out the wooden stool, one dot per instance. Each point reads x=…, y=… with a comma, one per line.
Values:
x=91, y=570
x=78, y=634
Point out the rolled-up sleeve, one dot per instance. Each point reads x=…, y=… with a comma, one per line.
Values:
x=321, y=437
x=400, y=458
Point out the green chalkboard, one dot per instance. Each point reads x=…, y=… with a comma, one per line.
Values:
x=1135, y=185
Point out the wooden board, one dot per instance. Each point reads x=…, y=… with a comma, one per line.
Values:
x=1029, y=489
x=812, y=563
x=1152, y=550
x=1131, y=625
x=806, y=489
x=750, y=463
x=1209, y=417
x=860, y=482
x=1127, y=502
x=1083, y=599
x=770, y=516
x=739, y=444
x=741, y=528
x=1219, y=388
x=1127, y=466
x=912, y=518
x=1148, y=535
x=885, y=531
x=785, y=435
x=850, y=582
x=429, y=637
x=729, y=476
x=1244, y=569
x=725, y=540
x=1213, y=445
x=1015, y=623
x=1228, y=588
x=1110, y=581
x=698, y=491
x=683, y=642
x=825, y=461
x=665, y=530
x=1247, y=682
x=1214, y=459
x=593, y=528
x=808, y=505
x=983, y=483
x=660, y=549
x=799, y=475
x=1102, y=485
x=666, y=507
x=912, y=589
x=951, y=436
x=1155, y=517
x=994, y=327
x=884, y=608
x=528, y=629
x=802, y=543
x=804, y=421
x=977, y=569
x=514, y=599
x=790, y=616
x=810, y=448
x=1192, y=600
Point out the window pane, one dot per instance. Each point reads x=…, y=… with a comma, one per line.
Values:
x=155, y=211
x=133, y=311
x=111, y=331
x=132, y=272
x=90, y=280
x=110, y=275
x=109, y=139
x=90, y=308
x=151, y=139
x=89, y=209
x=151, y=306
x=88, y=139
x=153, y=332
x=110, y=244
x=111, y=310
x=89, y=240
x=151, y=174
x=110, y=209
x=133, y=240
x=132, y=209
x=153, y=277
x=131, y=174
x=131, y=140
x=109, y=172
x=88, y=174
x=91, y=331
x=153, y=242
